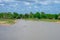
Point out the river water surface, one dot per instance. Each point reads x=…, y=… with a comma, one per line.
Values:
x=31, y=30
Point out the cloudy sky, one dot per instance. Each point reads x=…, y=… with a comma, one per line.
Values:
x=26, y=6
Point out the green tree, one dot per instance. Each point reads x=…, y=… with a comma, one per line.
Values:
x=26, y=15
x=31, y=15
x=43, y=15
x=15, y=15
x=55, y=16
x=37, y=15
x=20, y=16
x=49, y=16
x=9, y=15
x=59, y=16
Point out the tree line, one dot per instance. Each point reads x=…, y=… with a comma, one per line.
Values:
x=37, y=15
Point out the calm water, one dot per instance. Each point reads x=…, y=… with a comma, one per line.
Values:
x=28, y=30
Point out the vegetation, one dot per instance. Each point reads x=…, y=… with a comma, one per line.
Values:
x=7, y=21
x=31, y=15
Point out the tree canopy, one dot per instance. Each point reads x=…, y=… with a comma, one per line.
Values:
x=38, y=15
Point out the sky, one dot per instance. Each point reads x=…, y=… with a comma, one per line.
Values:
x=26, y=6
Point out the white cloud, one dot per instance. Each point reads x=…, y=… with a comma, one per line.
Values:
x=7, y=0
x=46, y=2
x=27, y=3
x=56, y=1
x=13, y=5
x=43, y=2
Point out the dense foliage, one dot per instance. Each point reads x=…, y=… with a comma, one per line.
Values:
x=37, y=15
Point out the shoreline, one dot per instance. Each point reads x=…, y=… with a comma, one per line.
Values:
x=8, y=24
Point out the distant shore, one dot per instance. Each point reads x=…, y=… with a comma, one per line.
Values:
x=8, y=22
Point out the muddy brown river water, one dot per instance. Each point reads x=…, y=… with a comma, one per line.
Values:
x=31, y=30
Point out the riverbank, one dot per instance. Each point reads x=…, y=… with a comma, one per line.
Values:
x=13, y=21
x=44, y=20
x=7, y=21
